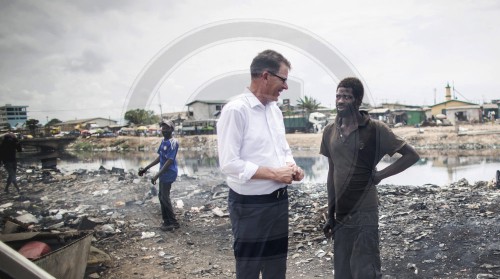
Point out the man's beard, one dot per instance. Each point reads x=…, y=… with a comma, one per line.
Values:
x=348, y=111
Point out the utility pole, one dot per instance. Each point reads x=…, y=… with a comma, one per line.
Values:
x=159, y=103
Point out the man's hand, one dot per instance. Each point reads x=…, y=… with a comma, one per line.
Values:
x=298, y=173
x=328, y=229
x=284, y=174
x=153, y=180
x=142, y=171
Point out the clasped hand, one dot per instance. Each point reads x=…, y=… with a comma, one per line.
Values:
x=328, y=229
x=289, y=173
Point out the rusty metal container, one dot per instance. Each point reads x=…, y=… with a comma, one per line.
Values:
x=68, y=259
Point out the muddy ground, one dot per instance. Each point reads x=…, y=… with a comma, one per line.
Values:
x=430, y=231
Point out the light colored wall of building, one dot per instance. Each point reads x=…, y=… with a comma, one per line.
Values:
x=13, y=115
x=438, y=109
x=203, y=111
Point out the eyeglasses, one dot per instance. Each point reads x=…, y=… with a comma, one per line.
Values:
x=282, y=78
x=344, y=96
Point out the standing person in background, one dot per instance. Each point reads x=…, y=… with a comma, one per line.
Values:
x=10, y=145
x=354, y=144
x=258, y=162
x=167, y=153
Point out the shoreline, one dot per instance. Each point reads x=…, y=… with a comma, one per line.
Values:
x=429, y=140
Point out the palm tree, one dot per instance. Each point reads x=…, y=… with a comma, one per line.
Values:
x=309, y=104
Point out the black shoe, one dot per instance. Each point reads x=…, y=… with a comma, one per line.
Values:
x=169, y=227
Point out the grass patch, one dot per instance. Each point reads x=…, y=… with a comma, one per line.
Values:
x=117, y=142
x=85, y=146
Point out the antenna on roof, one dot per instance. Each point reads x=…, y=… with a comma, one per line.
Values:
x=453, y=90
x=159, y=102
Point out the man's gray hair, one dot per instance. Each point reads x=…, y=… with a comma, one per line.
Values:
x=268, y=60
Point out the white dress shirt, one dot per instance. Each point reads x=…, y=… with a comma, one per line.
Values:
x=250, y=135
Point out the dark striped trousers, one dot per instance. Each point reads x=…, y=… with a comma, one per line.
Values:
x=260, y=230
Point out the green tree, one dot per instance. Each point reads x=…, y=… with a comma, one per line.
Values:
x=52, y=122
x=32, y=124
x=309, y=104
x=141, y=117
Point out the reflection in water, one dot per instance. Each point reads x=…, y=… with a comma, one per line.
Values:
x=440, y=170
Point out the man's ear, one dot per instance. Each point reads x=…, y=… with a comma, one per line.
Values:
x=358, y=103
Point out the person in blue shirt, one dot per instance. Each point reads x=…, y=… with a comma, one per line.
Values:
x=167, y=174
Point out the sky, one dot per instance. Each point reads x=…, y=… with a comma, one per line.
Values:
x=82, y=59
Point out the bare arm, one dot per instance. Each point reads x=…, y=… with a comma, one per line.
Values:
x=152, y=164
x=330, y=191
x=287, y=174
x=144, y=170
x=162, y=170
x=408, y=158
x=328, y=228
x=282, y=174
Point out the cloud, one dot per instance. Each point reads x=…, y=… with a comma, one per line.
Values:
x=79, y=59
x=89, y=61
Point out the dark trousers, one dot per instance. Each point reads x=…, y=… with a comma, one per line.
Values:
x=167, y=211
x=356, y=247
x=11, y=168
x=260, y=230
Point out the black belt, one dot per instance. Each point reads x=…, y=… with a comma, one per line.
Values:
x=277, y=195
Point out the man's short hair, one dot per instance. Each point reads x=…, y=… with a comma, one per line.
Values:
x=355, y=84
x=268, y=60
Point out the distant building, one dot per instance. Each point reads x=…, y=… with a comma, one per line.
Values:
x=177, y=117
x=397, y=106
x=202, y=109
x=468, y=114
x=395, y=113
x=13, y=115
x=415, y=116
x=87, y=124
x=382, y=114
x=441, y=108
x=491, y=111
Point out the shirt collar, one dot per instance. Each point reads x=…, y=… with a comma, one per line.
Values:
x=254, y=102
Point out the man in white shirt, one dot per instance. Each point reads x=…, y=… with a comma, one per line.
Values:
x=258, y=162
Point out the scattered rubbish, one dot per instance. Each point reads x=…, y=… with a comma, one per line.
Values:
x=27, y=218
x=34, y=249
x=218, y=212
x=412, y=267
x=420, y=225
x=179, y=204
x=145, y=235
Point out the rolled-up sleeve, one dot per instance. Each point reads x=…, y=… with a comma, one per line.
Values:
x=230, y=130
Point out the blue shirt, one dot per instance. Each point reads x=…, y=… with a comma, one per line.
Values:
x=168, y=150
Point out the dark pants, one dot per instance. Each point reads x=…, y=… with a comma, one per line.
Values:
x=260, y=230
x=11, y=168
x=356, y=247
x=167, y=211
